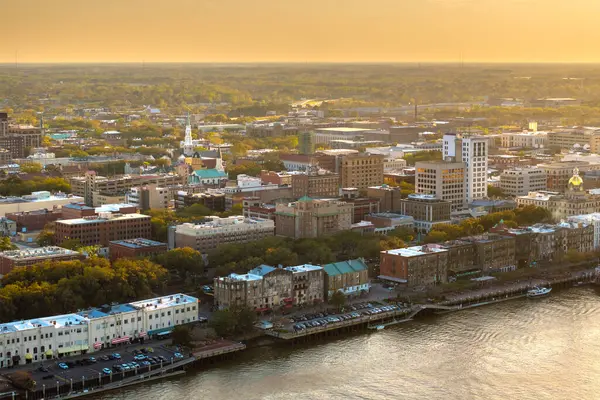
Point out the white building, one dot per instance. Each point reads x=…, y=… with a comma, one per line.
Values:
x=148, y=197
x=393, y=164
x=538, y=199
x=521, y=181
x=91, y=330
x=531, y=140
x=216, y=231
x=188, y=145
x=473, y=151
x=36, y=201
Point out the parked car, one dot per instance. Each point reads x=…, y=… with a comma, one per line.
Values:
x=139, y=357
x=178, y=355
x=105, y=358
x=146, y=363
x=117, y=368
x=162, y=358
x=107, y=371
x=63, y=365
x=116, y=356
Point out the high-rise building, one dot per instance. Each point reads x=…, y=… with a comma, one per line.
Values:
x=473, y=151
x=306, y=142
x=148, y=197
x=427, y=211
x=361, y=170
x=445, y=180
x=520, y=181
x=315, y=183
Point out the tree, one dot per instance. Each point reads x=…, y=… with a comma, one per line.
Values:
x=182, y=335
x=46, y=238
x=223, y=322
x=435, y=236
x=31, y=168
x=186, y=261
x=404, y=233
x=495, y=192
x=79, y=154
x=246, y=318
x=22, y=380
x=6, y=244
x=71, y=244
x=337, y=299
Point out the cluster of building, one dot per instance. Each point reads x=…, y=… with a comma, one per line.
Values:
x=94, y=329
x=267, y=288
x=502, y=249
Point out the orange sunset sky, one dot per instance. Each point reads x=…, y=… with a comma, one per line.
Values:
x=299, y=31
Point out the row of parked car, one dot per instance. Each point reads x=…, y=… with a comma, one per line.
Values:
x=325, y=319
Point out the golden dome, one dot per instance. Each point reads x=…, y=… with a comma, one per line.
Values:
x=575, y=181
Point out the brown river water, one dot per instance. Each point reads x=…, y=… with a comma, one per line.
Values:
x=523, y=349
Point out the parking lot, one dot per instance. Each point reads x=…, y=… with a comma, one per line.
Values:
x=104, y=366
x=325, y=318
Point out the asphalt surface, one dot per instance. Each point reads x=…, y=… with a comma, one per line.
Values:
x=93, y=373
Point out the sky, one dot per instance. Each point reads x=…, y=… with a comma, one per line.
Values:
x=299, y=31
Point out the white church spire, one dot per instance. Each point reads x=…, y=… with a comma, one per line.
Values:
x=188, y=145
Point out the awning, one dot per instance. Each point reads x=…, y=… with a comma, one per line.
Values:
x=28, y=356
x=120, y=340
x=49, y=352
x=62, y=350
x=97, y=345
x=143, y=334
x=164, y=332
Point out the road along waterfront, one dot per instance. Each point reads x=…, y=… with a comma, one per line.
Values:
x=522, y=349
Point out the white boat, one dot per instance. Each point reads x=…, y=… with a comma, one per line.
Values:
x=538, y=292
x=380, y=327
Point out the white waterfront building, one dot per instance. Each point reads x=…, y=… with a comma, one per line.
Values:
x=94, y=329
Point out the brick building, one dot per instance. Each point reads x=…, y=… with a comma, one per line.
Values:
x=361, y=170
x=415, y=266
x=315, y=184
x=22, y=258
x=132, y=248
x=102, y=229
x=34, y=220
x=427, y=211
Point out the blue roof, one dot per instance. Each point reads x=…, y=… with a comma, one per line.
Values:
x=78, y=206
x=261, y=270
x=345, y=267
x=209, y=173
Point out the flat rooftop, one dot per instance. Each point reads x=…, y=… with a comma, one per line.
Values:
x=38, y=253
x=164, y=301
x=416, y=251
x=343, y=129
x=138, y=243
x=94, y=219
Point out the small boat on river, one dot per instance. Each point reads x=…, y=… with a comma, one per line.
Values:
x=538, y=292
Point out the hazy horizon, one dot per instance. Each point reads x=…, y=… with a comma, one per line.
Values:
x=314, y=31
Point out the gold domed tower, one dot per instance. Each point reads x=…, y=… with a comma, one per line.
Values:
x=575, y=183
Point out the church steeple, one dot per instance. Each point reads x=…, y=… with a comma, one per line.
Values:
x=188, y=145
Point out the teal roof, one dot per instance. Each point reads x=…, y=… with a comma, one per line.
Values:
x=304, y=198
x=345, y=267
x=209, y=173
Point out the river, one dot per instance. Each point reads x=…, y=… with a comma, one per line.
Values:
x=523, y=349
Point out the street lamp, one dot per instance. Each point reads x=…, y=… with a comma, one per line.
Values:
x=71, y=384
x=44, y=390
x=57, y=389
x=99, y=378
x=83, y=382
x=110, y=376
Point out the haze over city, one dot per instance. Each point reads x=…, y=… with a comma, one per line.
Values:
x=311, y=31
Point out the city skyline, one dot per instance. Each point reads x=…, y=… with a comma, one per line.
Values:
x=314, y=31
